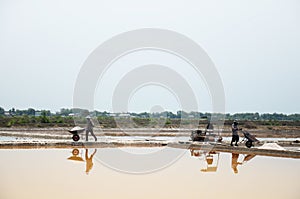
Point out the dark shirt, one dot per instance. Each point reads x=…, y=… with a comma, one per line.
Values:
x=234, y=129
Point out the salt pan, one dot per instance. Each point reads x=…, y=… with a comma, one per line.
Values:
x=273, y=146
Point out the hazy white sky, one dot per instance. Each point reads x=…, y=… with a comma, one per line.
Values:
x=254, y=45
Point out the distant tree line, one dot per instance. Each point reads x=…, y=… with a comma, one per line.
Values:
x=65, y=112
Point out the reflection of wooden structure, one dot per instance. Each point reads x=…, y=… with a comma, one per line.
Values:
x=212, y=162
x=211, y=159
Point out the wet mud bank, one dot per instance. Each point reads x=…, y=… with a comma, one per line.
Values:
x=220, y=147
x=62, y=133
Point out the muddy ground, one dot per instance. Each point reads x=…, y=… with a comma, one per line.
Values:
x=62, y=132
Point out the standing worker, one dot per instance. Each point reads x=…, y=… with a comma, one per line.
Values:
x=89, y=128
x=235, y=135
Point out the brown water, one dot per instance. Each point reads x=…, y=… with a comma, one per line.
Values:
x=49, y=174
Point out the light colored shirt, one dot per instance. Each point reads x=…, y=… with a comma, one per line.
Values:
x=90, y=124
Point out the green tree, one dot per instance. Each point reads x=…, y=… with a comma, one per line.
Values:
x=31, y=112
x=2, y=111
x=65, y=111
x=12, y=111
x=44, y=118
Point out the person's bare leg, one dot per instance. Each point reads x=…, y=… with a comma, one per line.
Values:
x=92, y=132
x=86, y=135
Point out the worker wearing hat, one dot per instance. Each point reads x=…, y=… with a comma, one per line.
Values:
x=89, y=129
x=235, y=135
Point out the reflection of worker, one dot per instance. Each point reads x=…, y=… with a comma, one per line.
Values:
x=89, y=160
x=89, y=128
x=234, y=162
x=235, y=135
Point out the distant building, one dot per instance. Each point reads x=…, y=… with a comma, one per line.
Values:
x=112, y=115
x=119, y=115
x=7, y=113
x=124, y=115
x=38, y=113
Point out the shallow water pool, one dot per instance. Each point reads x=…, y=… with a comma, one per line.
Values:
x=69, y=173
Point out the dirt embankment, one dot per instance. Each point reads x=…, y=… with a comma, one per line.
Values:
x=110, y=122
x=259, y=131
x=142, y=126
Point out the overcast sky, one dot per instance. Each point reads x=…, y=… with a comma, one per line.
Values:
x=254, y=45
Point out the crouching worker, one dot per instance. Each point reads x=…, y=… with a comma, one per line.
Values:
x=89, y=129
x=235, y=135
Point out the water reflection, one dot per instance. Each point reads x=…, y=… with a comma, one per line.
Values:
x=212, y=162
x=234, y=162
x=89, y=160
x=77, y=156
x=211, y=159
x=56, y=177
